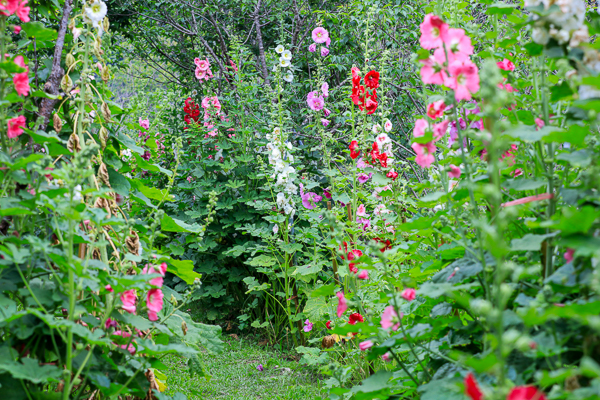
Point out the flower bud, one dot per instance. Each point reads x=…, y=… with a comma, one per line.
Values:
x=73, y=143
x=184, y=328
x=105, y=74
x=173, y=300
x=103, y=135
x=105, y=24
x=103, y=174
x=70, y=60
x=66, y=83
x=57, y=123
x=105, y=112
x=481, y=307
x=524, y=343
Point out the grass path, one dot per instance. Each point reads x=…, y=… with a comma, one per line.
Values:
x=235, y=375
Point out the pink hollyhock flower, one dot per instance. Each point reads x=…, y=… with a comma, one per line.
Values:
x=309, y=199
x=539, y=123
x=328, y=41
x=361, y=164
x=23, y=11
x=326, y=193
x=355, y=74
x=472, y=388
x=432, y=71
x=325, y=89
x=129, y=347
x=387, y=126
x=312, y=48
x=364, y=275
x=307, y=326
x=17, y=29
x=200, y=75
x=433, y=32
x=7, y=7
x=367, y=344
x=506, y=65
x=526, y=393
x=325, y=122
x=362, y=178
x=109, y=288
x=408, y=294
x=454, y=172
x=439, y=129
x=458, y=46
x=387, y=357
x=314, y=101
x=454, y=130
x=379, y=190
x=436, y=109
x=150, y=269
x=21, y=82
x=144, y=123
x=361, y=211
x=464, y=79
x=128, y=298
x=154, y=301
x=326, y=112
x=508, y=87
x=320, y=35
x=342, y=304
x=388, y=317
x=110, y=323
x=529, y=199
x=15, y=126
x=424, y=153
x=324, y=51
x=203, y=65
x=420, y=127
x=569, y=255
x=366, y=223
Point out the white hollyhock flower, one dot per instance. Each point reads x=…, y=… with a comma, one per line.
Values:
x=96, y=13
x=280, y=49
x=387, y=126
x=283, y=62
x=275, y=229
x=286, y=55
x=289, y=77
x=376, y=129
x=540, y=36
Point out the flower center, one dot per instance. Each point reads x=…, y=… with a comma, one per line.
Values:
x=461, y=79
x=96, y=8
x=435, y=32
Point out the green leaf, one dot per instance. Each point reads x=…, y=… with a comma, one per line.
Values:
x=11, y=68
x=575, y=135
x=118, y=182
x=579, y=158
x=501, y=9
x=39, y=31
x=183, y=269
x=151, y=167
x=561, y=91
x=524, y=184
x=325, y=290
x=375, y=383
x=315, y=308
x=528, y=133
x=28, y=369
x=530, y=242
x=170, y=224
x=151, y=192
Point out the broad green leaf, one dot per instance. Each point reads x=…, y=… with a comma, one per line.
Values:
x=183, y=269
x=170, y=224
x=530, y=242
x=37, y=30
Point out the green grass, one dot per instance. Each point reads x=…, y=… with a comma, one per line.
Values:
x=235, y=376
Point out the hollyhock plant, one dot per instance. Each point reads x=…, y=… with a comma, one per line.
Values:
x=354, y=152
x=320, y=35
x=309, y=199
x=569, y=255
x=342, y=304
x=372, y=79
x=22, y=11
x=364, y=275
x=389, y=319
x=420, y=127
x=354, y=255
x=367, y=344
x=325, y=89
x=464, y=79
x=436, y=109
x=408, y=294
x=129, y=347
x=439, y=129
x=433, y=32
x=433, y=72
x=387, y=357
x=129, y=298
x=506, y=65
x=387, y=126
x=314, y=101
x=458, y=46
x=154, y=301
x=144, y=123
x=425, y=153
x=15, y=126
x=324, y=51
x=361, y=211
x=392, y=175
x=362, y=178
x=354, y=318
x=454, y=172
x=307, y=326
x=472, y=388
x=328, y=325
x=21, y=82
x=312, y=48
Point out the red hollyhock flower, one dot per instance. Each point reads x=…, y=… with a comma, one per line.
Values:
x=383, y=159
x=328, y=324
x=358, y=96
x=353, y=151
x=353, y=255
x=372, y=79
x=374, y=153
x=354, y=318
x=392, y=175
x=387, y=244
x=472, y=388
x=371, y=103
x=526, y=393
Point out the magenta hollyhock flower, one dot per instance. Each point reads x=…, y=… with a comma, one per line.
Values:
x=408, y=294
x=320, y=35
x=312, y=48
x=366, y=223
x=388, y=317
x=309, y=199
x=326, y=112
x=314, y=101
x=362, y=178
x=464, y=79
x=109, y=288
x=387, y=357
x=15, y=126
x=436, y=109
x=439, y=129
x=364, y=275
x=154, y=301
x=342, y=304
x=128, y=298
x=260, y=367
x=144, y=123
x=361, y=164
x=433, y=32
x=454, y=130
x=146, y=156
x=326, y=193
x=539, y=123
x=328, y=41
x=506, y=65
x=454, y=172
x=361, y=211
x=325, y=122
x=110, y=323
x=324, y=51
x=307, y=326
x=367, y=344
x=569, y=255
x=424, y=153
x=420, y=127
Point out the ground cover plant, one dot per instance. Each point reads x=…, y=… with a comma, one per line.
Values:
x=399, y=198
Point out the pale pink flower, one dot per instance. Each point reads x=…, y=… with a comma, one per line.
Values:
x=464, y=79
x=361, y=164
x=312, y=48
x=569, y=255
x=199, y=73
x=439, y=129
x=320, y=35
x=387, y=357
x=325, y=122
x=388, y=317
x=387, y=126
x=506, y=65
x=367, y=344
x=328, y=41
x=424, y=153
x=325, y=89
x=364, y=275
x=436, y=109
x=458, y=46
x=454, y=172
x=342, y=304
x=154, y=301
x=361, y=211
x=315, y=102
x=432, y=71
x=144, y=123
x=324, y=51
x=408, y=294
x=203, y=65
x=379, y=190
x=382, y=139
x=539, y=123
x=362, y=178
x=129, y=298
x=15, y=126
x=420, y=126
x=433, y=32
